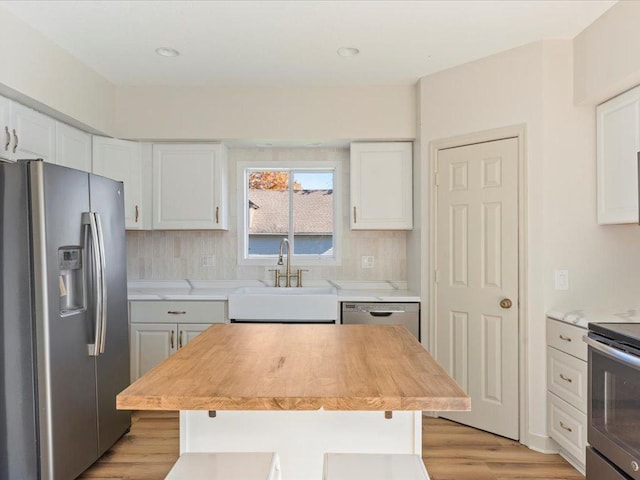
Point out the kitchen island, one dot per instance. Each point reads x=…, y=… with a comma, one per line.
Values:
x=299, y=390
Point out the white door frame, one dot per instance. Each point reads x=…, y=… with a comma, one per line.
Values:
x=519, y=132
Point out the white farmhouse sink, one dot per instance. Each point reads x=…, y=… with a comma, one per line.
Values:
x=282, y=304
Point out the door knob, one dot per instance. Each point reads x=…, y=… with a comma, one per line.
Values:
x=506, y=303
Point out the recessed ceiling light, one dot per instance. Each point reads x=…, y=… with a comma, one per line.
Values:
x=348, y=51
x=167, y=52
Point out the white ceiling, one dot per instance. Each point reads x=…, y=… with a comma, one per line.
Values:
x=285, y=43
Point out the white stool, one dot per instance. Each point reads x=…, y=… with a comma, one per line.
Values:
x=226, y=466
x=372, y=466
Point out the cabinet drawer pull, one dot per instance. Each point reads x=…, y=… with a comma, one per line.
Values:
x=177, y=312
x=217, y=214
x=564, y=337
x=563, y=426
x=6, y=145
x=173, y=344
x=565, y=378
x=15, y=138
x=180, y=339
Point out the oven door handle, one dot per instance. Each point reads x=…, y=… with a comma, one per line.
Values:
x=614, y=353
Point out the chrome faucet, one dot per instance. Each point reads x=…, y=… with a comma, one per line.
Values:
x=283, y=242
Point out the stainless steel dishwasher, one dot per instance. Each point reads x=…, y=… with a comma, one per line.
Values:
x=382, y=313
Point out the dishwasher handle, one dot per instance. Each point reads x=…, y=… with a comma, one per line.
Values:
x=382, y=313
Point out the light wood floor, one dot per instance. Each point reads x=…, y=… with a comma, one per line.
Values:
x=450, y=451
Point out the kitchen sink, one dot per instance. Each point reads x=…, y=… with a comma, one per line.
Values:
x=281, y=304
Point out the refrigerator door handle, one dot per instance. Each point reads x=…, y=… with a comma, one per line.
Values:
x=103, y=285
x=88, y=219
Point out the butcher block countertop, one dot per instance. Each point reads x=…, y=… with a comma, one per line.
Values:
x=298, y=367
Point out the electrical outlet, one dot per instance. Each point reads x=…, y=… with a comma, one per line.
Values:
x=562, y=279
x=368, y=261
x=208, y=260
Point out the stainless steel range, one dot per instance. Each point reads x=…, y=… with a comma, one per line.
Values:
x=614, y=401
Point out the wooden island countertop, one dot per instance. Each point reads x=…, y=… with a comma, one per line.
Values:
x=298, y=367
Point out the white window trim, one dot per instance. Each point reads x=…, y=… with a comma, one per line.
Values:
x=298, y=261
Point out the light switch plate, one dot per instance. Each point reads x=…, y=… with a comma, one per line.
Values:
x=368, y=261
x=562, y=279
x=208, y=260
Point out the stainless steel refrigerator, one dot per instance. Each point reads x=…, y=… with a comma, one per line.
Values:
x=64, y=345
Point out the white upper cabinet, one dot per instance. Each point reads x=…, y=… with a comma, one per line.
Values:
x=618, y=139
x=122, y=160
x=381, y=186
x=189, y=187
x=73, y=147
x=5, y=133
x=25, y=133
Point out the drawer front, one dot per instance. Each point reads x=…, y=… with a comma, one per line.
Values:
x=567, y=378
x=567, y=338
x=568, y=427
x=178, y=312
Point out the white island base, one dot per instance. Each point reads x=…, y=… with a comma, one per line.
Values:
x=301, y=438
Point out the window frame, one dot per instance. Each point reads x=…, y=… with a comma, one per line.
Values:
x=294, y=166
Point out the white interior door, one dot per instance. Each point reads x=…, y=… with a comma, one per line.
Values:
x=476, y=270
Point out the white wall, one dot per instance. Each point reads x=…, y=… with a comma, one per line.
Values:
x=607, y=54
x=603, y=260
x=534, y=85
x=498, y=91
x=42, y=75
x=296, y=113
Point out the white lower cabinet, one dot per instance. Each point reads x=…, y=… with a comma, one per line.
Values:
x=189, y=331
x=160, y=328
x=567, y=390
x=151, y=344
x=568, y=427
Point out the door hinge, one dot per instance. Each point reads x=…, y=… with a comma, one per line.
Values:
x=435, y=276
x=436, y=179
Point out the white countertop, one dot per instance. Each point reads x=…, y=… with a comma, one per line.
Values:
x=582, y=318
x=192, y=290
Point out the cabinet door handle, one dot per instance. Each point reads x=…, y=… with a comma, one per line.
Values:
x=15, y=137
x=564, y=337
x=137, y=214
x=173, y=344
x=355, y=216
x=177, y=312
x=563, y=426
x=565, y=378
x=6, y=145
x=180, y=339
x=217, y=214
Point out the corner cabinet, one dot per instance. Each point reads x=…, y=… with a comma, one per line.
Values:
x=381, y=186
x=618, y=144
x=122, y=160
x=160, y=328
x=189, y=187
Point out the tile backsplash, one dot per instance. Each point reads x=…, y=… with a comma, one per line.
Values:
x=169, y=255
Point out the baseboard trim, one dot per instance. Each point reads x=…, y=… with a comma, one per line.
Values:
x=542, y=443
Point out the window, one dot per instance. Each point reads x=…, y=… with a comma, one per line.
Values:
x=299, y=204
